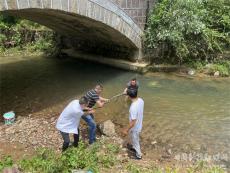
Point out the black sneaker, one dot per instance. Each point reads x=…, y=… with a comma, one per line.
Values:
x=130, y=148
x=136, y=158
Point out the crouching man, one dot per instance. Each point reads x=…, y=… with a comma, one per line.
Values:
x=135, y=122
x=69, y=120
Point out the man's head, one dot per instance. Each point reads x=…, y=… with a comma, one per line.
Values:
x=98, y=88
x=132, y=93
x=83, y=101
x=134, y=81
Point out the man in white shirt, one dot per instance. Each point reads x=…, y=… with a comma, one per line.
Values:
x=135, y=121
x=69, y=120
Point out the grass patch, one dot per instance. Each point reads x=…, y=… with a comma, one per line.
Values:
x=6, y=162
x=94, y=158
x=83, y=158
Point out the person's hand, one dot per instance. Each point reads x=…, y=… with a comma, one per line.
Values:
x=87, y=109
x=105, y=101
x=91, y=111
x=125, y=132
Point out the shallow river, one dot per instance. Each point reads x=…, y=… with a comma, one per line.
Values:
x=183, y=116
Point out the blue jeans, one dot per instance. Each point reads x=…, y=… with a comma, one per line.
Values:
x=89, y=119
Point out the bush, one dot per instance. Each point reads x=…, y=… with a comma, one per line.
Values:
x=25, y=34
x=47, y=161
x=6, y=162
x=222, y=68
x=199, y=66
x=191, y=29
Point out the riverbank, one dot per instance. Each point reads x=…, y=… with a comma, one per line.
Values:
x=36, y=145
x=21, y=52
x=187, y=70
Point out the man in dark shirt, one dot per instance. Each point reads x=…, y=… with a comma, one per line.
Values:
x=94, y=97
x=132, y=85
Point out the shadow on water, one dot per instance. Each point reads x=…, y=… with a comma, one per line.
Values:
x=37, y=83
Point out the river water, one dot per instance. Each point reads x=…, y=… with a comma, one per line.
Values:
x=184, y=117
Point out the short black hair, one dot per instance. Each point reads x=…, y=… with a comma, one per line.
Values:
x=132, y=93
x=83, y=100
x=133, y=79
x=99, y=85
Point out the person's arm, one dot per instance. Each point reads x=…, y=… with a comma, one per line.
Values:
x=88, y=111
x=100, y=103
x=125, y=90
x=102, y=99
x=131, y=125
x=132, y=122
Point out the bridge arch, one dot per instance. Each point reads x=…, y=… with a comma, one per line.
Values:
x=99, y=22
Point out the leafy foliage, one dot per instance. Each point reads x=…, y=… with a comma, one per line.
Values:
x=95, y=158
x=224, y=69
x=24, y=34
x=191, y=29
x=6, y=162
x=47, y=161
x=222, y=66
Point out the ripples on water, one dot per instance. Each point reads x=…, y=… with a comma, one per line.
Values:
x=190, y=114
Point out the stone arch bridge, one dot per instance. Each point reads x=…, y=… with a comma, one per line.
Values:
x=105, y=24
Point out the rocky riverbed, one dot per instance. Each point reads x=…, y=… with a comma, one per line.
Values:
x=32, y=132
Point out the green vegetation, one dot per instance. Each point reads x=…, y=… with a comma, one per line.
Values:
x=6, y=162
x=223, y=67
x=193, y=30
x=74, y=158
x=48, y=161
x=102, y=156
x=23, y=36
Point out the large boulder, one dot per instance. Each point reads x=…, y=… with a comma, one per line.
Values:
x=107, y=128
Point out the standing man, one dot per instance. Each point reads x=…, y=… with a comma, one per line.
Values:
x=135, y=122
x=131, y=85
x=93, y=97
x=69, y=120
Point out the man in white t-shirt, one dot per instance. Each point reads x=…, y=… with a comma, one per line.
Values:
x=135, y=121
x=69, y=120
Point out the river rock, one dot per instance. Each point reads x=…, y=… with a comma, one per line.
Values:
x=11, y=170
x=153, y=142
x=107, y=128
x=216, y=74
x=52, y=119
x=191, y=72
x=34, y=142
x=169, y=151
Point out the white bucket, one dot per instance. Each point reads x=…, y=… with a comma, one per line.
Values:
x=9, y=117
